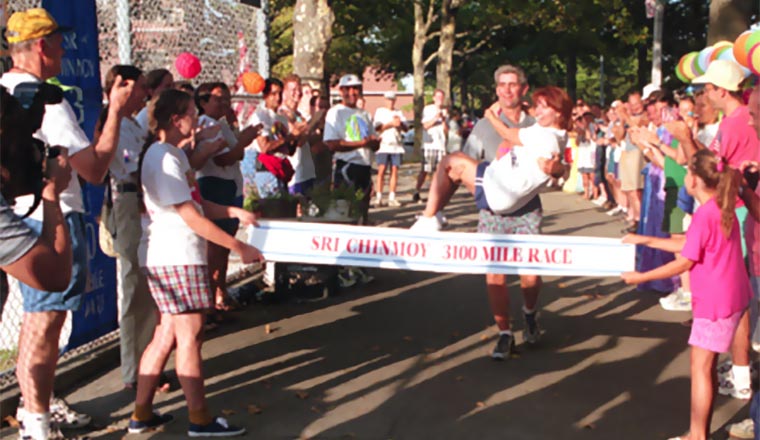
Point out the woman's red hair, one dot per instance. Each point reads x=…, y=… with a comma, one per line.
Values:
x=558, y=100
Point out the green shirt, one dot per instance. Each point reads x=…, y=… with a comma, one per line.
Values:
x=674, y=172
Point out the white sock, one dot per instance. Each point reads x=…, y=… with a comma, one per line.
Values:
x=505, y=332
x=36, y=425
x=528, y=311
x=391, y=196
x=379, y=196
x=741, y=376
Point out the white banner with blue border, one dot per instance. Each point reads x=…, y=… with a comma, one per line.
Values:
x=448, y=252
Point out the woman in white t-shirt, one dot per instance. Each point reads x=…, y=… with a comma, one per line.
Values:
x=522, y=166
x=173, y=254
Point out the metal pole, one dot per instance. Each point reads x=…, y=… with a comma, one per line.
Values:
x=262, y=46
x=123, y=35
x=659, y=17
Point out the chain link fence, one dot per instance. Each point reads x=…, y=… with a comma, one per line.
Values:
x=223, y=34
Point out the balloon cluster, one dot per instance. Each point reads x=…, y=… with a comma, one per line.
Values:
x=745, y=51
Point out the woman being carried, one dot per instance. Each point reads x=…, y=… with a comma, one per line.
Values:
x=521, y=168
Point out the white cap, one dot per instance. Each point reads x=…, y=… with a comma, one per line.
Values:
x=349, y=80
x=722, y=73
x=648, y=90
x=390, y=95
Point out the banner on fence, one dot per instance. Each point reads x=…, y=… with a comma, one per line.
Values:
x=453, y=252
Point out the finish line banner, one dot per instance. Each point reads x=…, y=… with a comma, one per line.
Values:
x=448, y=252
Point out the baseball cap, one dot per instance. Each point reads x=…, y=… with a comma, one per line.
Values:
x=31, y=24
x=390, y=95
x=722, y=73
x=648, y=90
x=349, y=81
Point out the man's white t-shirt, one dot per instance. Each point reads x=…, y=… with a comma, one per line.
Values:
x=168, y=180
x=210, y=168
x=142, y=118
x=390, y=139
x=273, y=125
x=349, y=124
x=301, y=160
x=59, y=128
x=132, y=138
x=434, y=137
x=514, y=179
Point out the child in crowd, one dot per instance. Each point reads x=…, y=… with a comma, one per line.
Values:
x=173, y=255
x=711, y=251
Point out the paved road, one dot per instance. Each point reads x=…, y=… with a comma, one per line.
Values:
x=405, y=358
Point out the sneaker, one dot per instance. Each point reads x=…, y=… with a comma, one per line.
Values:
x=532, y=332
x=504, y=348
x=426, y=224
x=678, y=301
x=345, y=278
x=442, y=220
x=217, y=428
x=359, y=275
x=416, y=198
x=723, y=370
x=137, y=427
x=62, y=414
x=743, y=429
x=615, y=211
x=394, y=203
x=726, y=388
x=376, y=203
x=599, y=201
x=44, y=429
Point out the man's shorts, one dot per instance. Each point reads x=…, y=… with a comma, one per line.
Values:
x=355, y=175
x=480, y=194
x=526, y=220
x=388, y=159
x=431, y=159
x=222, y=192
x=302, y=188
x=672, y=221
x=70, y=299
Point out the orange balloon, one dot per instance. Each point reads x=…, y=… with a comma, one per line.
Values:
x=740, y=52
x=253, y=82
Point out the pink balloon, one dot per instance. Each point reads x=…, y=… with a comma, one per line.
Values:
x=188, y=65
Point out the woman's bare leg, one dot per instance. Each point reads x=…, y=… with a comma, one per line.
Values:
x=455, y=169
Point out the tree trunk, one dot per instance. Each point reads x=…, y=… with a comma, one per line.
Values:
x=728, y=19
x=312, y=33
x=422, y=21
x=446, y=46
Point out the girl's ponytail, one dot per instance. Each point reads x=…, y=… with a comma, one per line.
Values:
x=728, y=191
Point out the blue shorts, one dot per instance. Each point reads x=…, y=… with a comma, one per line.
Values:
x=70, y=299
x=302, y=187
x=392, y=159
x=222, y=192
x=480, y=195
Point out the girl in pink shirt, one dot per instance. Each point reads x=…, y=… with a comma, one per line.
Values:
x=711, y=252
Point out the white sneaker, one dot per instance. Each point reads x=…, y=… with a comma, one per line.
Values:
x=599, y=201
x=394, y=203
x=678, y=301
x=727, y=388
x=426, y=224
x=442, y=220
x=615, y=211
x=743, y=429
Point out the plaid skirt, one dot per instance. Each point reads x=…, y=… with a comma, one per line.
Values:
x=180, y=289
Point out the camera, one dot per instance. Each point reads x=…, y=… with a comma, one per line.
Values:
x=752, y=176
x=24, y=156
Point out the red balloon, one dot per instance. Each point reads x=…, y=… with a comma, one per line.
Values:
x=188, y=65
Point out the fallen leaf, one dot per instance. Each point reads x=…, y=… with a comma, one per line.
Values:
x=228, y=412
x=429, y=350
x=408, y=338
x=480, y=404
x=254, y=409
x=267, y=329
x=483, y=337
x=316, y=410
x=589, y=426
x=12, y=422
x=303, y=395
x=561, y=285
x=459, y=378
x=113, y=428
x=514, y=356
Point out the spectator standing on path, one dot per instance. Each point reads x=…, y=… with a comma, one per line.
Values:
x=304, y=174
x=483, y=144
x=156, y=81
x=389, y=123
x=137, y=310
x=173, y=254
x=434, y=123
x=35, y=44
x=219, y=177
x=631, y=160
x=349, y=133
